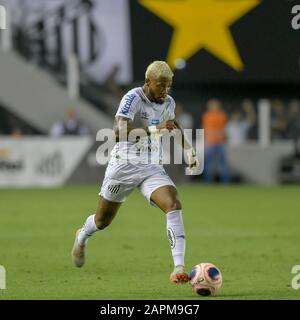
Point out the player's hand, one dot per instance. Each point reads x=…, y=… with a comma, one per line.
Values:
x=193, y=163
x=166, y=126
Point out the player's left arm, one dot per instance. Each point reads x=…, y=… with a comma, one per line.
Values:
x=183, y=141
x=193, y=161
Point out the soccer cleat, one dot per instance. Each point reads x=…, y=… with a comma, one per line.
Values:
x=78, y=256
x=179, y=275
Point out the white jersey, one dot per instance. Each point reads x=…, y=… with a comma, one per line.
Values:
x=143, y=113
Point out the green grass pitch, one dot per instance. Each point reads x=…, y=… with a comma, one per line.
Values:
x=252, y=234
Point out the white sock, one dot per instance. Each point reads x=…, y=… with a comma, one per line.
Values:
x=87, y=230
x=175, y=231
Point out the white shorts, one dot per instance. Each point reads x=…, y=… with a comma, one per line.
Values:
x=121, y=179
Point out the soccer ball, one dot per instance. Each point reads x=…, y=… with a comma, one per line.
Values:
x=205, y=279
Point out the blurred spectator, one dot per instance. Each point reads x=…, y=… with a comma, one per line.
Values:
x=16, y=132
x=293, y=120
x=214, y=121
x=278, y=120
x=239, y=125
x=69, y=126
x=183, y=117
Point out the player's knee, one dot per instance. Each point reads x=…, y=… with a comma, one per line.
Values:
x=101, y=224
x=173, y=206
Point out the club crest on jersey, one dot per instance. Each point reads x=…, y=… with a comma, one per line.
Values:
x=145, y=115
x=155, y=122
x=128, y=102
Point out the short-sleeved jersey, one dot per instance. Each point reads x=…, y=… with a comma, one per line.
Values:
x=143, y=113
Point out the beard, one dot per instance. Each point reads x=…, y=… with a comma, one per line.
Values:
x=156, y=100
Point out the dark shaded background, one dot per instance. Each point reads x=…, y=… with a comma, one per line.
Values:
x=268, y=46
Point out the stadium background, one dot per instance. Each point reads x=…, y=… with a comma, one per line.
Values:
x=63, y=57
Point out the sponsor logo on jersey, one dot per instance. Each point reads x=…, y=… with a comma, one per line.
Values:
x=155, y=122
x=128, y=102
x=114, y=188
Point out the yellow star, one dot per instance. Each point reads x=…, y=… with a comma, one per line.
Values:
x=200, y=24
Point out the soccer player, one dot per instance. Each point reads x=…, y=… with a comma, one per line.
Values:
x=146, y=112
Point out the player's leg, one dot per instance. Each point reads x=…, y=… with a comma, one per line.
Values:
x=116, y=187
x=166, y=198
x=106, y=211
